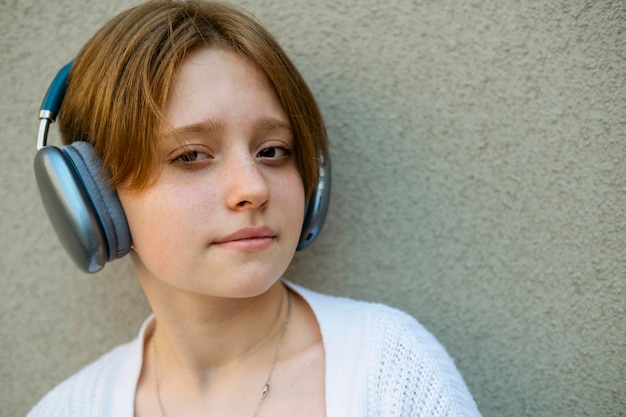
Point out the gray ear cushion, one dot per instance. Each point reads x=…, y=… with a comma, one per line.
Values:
x=105, y=201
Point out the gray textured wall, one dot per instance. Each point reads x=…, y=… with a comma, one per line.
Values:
x=479, y=183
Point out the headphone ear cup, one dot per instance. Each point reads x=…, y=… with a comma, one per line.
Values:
x=316, y=207
x=106, y=203
x=86, y=215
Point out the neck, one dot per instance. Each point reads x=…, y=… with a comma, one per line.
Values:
x=198, y=334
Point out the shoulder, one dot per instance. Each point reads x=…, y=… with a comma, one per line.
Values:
x=415, y=375
x=378, y=321
x=86, y=392
x=408, y=371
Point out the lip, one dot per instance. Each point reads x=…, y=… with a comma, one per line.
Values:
x=248, y=239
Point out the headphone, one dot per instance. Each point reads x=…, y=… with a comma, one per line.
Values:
x=87, y=215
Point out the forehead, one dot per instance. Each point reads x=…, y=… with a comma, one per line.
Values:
x=221, y=87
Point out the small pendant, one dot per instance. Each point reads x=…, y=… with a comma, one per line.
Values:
x=266, y=389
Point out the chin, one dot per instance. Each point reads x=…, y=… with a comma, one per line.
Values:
x=247, y=282
x=249, y=288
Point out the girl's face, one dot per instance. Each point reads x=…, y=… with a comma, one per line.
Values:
x=224, y=216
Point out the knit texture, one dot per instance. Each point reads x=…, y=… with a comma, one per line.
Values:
x=415, y=376
x=379, y=362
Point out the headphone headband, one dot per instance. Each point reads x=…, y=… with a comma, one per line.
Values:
x=52, y=103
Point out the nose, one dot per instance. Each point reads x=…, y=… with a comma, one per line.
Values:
x=246, y=184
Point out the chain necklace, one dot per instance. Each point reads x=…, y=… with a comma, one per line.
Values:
x=266, y=386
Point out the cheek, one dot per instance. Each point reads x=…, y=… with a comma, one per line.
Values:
x=158, y=218
x=291, y=198
x=160, y=225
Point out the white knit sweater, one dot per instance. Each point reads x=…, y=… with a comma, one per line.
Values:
x=379, y=362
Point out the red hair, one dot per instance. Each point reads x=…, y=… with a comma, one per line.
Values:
x=121, y=80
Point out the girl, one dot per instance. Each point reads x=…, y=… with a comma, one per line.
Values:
x=212, y=141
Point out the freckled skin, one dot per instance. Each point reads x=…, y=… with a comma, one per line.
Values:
x=233, y=170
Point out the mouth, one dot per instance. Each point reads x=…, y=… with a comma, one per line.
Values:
x=248, y=239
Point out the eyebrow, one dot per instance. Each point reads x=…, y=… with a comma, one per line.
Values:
x=212, y=126
x=206, y=126
x=270, y=123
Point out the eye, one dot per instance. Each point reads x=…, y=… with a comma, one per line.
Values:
x=275, y=152
x=190, y=156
